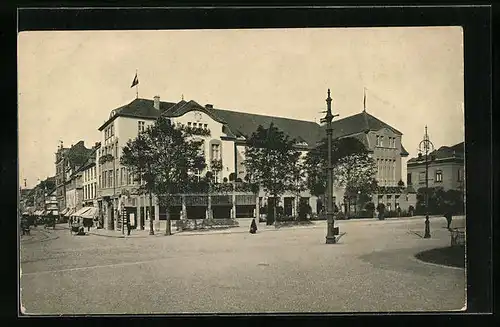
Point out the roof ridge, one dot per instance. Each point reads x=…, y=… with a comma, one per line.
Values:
x=267, y=116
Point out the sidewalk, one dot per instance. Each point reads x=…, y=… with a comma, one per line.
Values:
x=244, y=225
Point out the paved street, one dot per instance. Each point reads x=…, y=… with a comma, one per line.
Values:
x=289, y=270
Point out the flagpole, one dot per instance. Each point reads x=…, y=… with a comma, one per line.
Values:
x=364, y=98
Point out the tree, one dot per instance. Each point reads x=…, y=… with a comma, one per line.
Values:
x=176, y=159
x=355, y=172
x=298, y=182
x=270, y=160
x=353, y=168
x=138, y=157
x=436, y=200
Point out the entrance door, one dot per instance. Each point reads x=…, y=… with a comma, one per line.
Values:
x=111, y=214
x=142, y=219
x=288, y=204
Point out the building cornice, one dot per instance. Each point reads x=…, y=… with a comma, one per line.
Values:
x=440, y=160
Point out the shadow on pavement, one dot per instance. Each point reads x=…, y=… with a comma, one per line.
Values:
x=452, y=256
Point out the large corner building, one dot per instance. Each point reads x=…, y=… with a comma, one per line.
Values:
x=228, y=131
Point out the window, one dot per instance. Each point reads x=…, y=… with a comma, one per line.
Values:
x=117, y=177
x=377, y=143
x=189, y=124
x=215, y=151
x=459, y=175
x=439, y=176
x=140, y=125
x=408, y=179
x=202, y=148
x=205, y=126
x=381, y=141
x=110, y=178
x=421, y=177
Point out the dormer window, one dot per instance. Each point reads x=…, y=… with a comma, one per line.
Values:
x=189, y=124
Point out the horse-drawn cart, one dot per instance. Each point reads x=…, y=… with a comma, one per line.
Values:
x=76, y=226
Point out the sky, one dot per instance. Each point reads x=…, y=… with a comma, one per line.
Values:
x=69, y=81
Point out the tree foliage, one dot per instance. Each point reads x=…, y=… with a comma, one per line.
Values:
x=165, y=157
x=271, y=159
x=353, y=167
x=440, y=201
x=176, y=158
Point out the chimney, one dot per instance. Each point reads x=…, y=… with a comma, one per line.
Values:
x=156, y=102
x=209, y=106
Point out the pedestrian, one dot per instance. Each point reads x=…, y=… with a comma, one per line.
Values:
x=449, y=218
x=253, y=227
x=128, y=225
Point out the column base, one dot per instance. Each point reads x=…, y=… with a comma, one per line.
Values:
x=331, y=240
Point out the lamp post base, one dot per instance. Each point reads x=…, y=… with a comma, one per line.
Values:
x=331, y=240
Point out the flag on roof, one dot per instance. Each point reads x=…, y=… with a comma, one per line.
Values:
x=135, y=81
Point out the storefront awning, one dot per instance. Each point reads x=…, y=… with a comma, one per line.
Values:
x=55, y=212
x=64, y=211
x=91, y=213
x=80, y=212
x=69, y=212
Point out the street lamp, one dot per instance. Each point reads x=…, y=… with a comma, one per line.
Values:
x=331, y=231
x=426, y=146
x=122, y=207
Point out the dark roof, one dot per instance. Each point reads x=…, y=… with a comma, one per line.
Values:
x=25, y=191
x=90, y=160
x=454, y=151
x=244, y=124
x=361, y=122
x=78, y=154
x=140, y=108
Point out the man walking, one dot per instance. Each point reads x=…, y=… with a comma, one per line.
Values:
x=448, y=217
x=128, y=225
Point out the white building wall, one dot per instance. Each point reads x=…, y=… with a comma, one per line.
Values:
x=71, y=199
x=227, y=147
x=89, y=183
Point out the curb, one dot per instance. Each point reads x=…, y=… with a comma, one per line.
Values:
x=203, y=233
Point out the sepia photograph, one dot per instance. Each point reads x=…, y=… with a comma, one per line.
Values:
x=277, y=170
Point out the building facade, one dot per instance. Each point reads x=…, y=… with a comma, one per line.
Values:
x=68, y=161
x=446, y=169
x=89, y=182
x=223, y=134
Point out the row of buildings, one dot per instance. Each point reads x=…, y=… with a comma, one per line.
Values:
x=93, y=177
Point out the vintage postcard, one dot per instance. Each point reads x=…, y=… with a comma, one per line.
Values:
x=291, y=170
